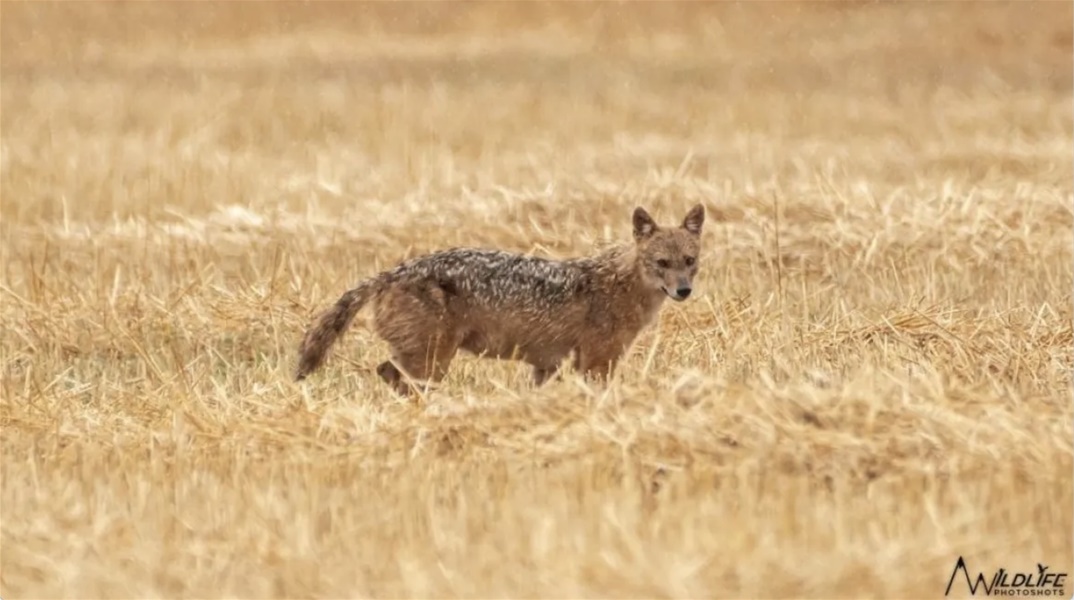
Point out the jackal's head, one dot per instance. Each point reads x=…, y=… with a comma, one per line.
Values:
x=668, y=256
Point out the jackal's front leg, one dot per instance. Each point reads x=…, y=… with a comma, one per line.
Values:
x=542, y=374
x=597, y=364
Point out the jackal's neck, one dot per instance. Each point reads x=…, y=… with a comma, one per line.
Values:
x=620, y=261
x=622, y=265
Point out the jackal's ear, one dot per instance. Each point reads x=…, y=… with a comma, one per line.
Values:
x=644, y=225
x=694, y=219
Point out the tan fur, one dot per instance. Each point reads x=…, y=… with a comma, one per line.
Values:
x=509, y=306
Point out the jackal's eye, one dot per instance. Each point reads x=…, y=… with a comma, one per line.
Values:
x=663, y=263
x=689, y=260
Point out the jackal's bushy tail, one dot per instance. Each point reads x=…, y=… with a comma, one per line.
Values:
x=330, y=325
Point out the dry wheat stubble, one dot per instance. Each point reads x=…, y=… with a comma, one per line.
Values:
x=844, y=409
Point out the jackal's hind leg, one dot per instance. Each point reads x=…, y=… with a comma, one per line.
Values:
x=421, y=337
x=419, y=367
x=419, y=359
x=393, y=377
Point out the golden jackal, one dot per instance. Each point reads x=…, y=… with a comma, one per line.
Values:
x=511, y=306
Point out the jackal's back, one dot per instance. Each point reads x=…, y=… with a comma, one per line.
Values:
x=498, y=280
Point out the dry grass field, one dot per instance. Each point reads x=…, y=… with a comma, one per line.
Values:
x=872, y=379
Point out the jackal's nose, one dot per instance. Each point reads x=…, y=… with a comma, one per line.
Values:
x=683, y=292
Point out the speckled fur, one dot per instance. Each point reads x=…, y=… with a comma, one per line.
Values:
x=510, y=306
